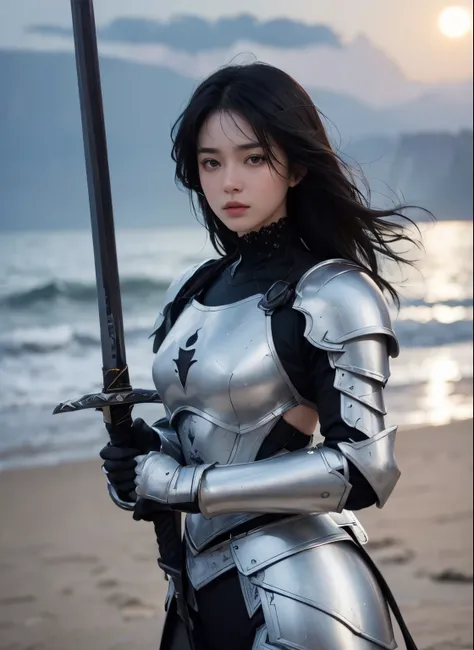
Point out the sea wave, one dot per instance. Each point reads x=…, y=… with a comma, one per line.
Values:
x=417, y=325
x=44, y=339
x=57, y=338
x=48, y=293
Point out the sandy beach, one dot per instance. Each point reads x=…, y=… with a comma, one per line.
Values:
x=76, y=573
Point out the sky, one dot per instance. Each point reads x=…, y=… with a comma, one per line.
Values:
x=405, y=29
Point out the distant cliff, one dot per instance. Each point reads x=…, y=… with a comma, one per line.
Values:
x=436, y=170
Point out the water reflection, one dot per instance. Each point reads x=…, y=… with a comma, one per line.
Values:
x=444, y=269
x=433, y=387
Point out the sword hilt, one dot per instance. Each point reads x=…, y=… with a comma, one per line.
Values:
x=116, y=408
x=102, y=400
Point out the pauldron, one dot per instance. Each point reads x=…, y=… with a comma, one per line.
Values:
x=347, y=315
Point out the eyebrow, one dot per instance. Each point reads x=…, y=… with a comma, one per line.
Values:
x=240, y=147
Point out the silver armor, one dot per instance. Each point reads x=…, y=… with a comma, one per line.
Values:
x=224, y=389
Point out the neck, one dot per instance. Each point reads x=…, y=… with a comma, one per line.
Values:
x=271, y=241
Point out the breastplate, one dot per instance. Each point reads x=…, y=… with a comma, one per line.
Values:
x=221, y=382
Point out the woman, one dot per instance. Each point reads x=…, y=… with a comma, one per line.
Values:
x=286, y=327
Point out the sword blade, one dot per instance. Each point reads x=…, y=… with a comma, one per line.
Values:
x=115, y=370
x=98, y=183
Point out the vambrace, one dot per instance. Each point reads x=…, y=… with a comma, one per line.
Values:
x=304, y=481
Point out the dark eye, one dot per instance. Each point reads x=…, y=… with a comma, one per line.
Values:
x=256, y=159
x=206, y=163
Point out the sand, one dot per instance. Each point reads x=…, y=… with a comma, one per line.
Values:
x=76, y=573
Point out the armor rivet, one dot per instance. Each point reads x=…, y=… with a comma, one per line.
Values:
x=236, y=548
x=325, y=495
x=310, y=452
x=253, y=561
x=167, y=473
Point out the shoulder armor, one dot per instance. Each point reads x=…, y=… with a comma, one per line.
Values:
x=173, y=290
x=341, y=302
x=347, y=315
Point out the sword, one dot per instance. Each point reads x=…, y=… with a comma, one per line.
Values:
x=117, y=398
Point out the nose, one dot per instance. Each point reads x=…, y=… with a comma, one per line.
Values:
x=232, y=182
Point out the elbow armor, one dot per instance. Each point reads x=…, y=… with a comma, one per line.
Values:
x=347, y=316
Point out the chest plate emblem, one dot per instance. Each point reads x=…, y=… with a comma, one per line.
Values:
x=186, y=359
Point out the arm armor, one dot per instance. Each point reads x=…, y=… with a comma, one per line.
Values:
x=303, y=481
x=347, y=316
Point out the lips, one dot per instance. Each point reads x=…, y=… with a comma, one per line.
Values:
x=234, y=204
x=236, y=210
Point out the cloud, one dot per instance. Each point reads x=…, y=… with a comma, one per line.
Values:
x=49, y=30
x=194, y=34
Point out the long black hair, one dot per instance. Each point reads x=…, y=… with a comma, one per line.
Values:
x=330, y=213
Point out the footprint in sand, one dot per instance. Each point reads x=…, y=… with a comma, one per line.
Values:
x=6, y=625
x=17, y=600
x=144, y=557
x=98, y=570
x=381, y=544
x=71, y=559
x=403, y=557
x=130, y=608
x=450, y=645
x=37, y=620
x=107, y=583
x=67, y=591
x=17, y=646
x=452, y=576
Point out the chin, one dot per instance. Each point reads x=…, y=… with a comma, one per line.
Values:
x=242, y=225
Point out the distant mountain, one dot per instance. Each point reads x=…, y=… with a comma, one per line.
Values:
x=41, y=157
x=194, y=47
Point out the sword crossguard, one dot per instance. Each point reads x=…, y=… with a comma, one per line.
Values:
x=102, y=400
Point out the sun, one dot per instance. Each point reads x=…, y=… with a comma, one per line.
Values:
x=455, y=22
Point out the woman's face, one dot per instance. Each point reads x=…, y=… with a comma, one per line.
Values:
x=232, y=168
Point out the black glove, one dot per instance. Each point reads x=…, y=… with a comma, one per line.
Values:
x=119, y=462
x=148, y=510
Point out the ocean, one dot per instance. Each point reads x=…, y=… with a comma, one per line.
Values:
x=49, y=332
